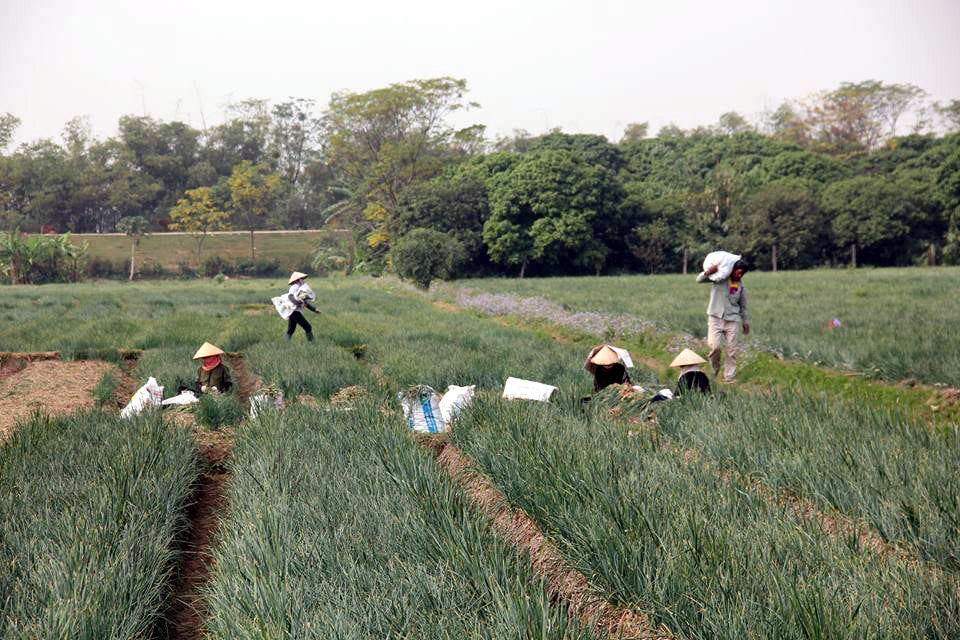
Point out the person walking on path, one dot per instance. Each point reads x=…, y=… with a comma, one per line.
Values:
x=300, y=295
x=726, y=311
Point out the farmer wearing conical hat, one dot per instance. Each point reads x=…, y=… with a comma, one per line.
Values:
x=607, y=367
x=726, y=311
x=690, y=377
x=300, y=294
x=212, y=374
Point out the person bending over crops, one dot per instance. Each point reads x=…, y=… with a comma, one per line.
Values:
x=607, y=367
x=726, y=311
x=300, y=295
x=212, y=374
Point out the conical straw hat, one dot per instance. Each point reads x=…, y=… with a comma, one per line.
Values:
x=207, y=350
x=686, y=358
x=606, y=355
x=296, y=275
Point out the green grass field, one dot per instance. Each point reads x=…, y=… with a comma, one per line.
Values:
x=339, y=525
x=169, y=249
x=895, y=323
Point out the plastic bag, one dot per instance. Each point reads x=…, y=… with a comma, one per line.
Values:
x=284, y=306
x=184, y=398
x=515, y=388
x=724, y=260
x=147, y=396
x=265, y=400
x=421, y=408
x=455, y=400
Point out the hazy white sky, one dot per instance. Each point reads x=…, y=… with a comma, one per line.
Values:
x=582, y=66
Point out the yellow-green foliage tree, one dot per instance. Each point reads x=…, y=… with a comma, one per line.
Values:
x=253, y=190
x=197, y=214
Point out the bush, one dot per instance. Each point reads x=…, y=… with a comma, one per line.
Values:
x=213, y=265
x=426, y=254
x=153, y=270
x=262, y=267
x=185, y=271
x=103, y=268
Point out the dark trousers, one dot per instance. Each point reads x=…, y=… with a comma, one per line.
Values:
x=296, y=318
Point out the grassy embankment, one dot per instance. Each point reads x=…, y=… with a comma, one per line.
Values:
x=170, y=249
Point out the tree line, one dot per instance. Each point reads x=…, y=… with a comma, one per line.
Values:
x=867, y=173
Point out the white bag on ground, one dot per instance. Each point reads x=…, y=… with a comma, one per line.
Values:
x=261, y=401
x=455, y=400
x=147, y=396
x=725, y=262
x=421, y=408
x=284, y=306
x=516, y=388
x=186, y=397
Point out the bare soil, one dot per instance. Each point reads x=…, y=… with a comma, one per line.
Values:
x=183, y=618
x=564, y=583
x=49, y=385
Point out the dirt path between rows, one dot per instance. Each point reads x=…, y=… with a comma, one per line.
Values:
x=185, y=615
x=564, y=583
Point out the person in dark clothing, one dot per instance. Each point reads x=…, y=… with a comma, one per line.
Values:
x=300, y=295
x=690, y=378
x=212, y=374
x=607, y=368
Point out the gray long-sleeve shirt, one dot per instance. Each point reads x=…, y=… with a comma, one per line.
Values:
x=723, y=304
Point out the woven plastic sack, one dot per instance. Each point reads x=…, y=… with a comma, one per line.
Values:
x=148, y=396
x=455, y=400
x=421, y=408
x=284, y=306
x=724, y=260
x=265, y=401
x=305, y=293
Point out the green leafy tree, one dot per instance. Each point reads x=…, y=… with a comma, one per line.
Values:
x=8, y=124
x=782, y=220
x=197, y=214
x=380, y=142
x=135, y=227
x=423, y=255
x=253, y=191
x=948, y=181
x=551, y=207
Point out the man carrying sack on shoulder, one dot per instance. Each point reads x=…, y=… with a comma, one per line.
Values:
x=726, y=311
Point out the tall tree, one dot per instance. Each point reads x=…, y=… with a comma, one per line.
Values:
x=8, y=125
x=783, y=220
x=135, y=227
x=253, y=191
x=865, y=212
x=635, y=131
x=381, y=141
x=197, y=214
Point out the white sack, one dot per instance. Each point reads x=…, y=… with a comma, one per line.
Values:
x=515, y=388
x=421, y=408
x=284, y=306
x=624, y=356
x=305, y=293
x=149, y=395
x=724, y=260
x=262, y=401
x=187, y=397
x=455, y=400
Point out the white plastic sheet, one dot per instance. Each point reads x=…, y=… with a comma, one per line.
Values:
x=519, y=389
x=185, y=398
x=147, y=396
x=725, y=262
x=455, y=400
